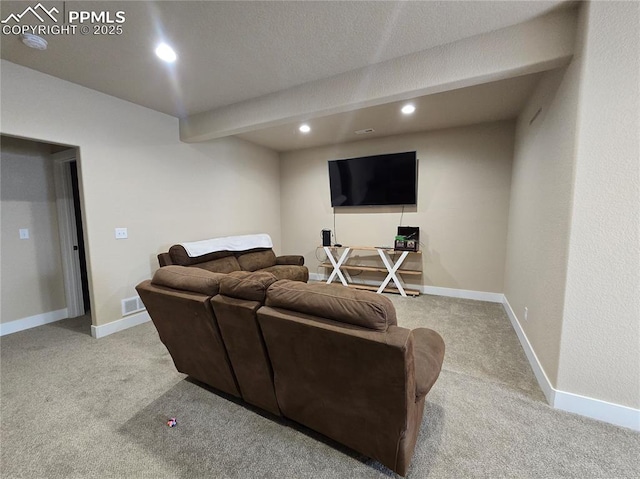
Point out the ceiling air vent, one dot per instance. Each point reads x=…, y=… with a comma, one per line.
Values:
x=365, y=131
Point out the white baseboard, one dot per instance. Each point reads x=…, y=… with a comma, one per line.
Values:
x=435, y=290
x=597, y=409
x=33, y=321
x=574, y=403
x=548, y=391
x=463, y=294
x=119, y=325
x=317, y=277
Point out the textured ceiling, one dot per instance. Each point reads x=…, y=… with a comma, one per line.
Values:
x=233, y=51
x=500, y=100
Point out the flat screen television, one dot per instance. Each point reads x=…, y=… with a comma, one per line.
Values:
x=374, y=180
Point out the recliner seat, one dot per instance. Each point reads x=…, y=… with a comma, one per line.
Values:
x=178, y=301
x=344, y=368
x=241, y=296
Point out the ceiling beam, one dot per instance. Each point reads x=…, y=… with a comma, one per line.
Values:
x=540, y=44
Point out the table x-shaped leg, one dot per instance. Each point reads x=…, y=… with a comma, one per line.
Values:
x=336, y=265
x=392, y=268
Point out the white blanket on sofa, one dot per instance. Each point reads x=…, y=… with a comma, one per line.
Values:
x=228, y=243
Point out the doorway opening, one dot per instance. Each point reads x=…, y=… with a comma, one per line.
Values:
x=71, y=230
x=84, y=277
x=43, y=201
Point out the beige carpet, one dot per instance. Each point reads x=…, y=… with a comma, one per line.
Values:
x=76, y=407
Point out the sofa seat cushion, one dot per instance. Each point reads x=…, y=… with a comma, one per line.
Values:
x=255, y=260
x=188, y=279
x=287, y=271
x=428, y=351
x=245, y=285
x=339, y=303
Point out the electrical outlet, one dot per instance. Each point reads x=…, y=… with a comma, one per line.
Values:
x=121, y=233
x=526, y=313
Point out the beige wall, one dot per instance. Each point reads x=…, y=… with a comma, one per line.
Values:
x=31, y=269
x=600, y=353
x=135, y=173
x=574, y=229
x=463, y=201
x=540, y=214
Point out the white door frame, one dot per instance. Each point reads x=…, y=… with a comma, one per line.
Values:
x=68, y=232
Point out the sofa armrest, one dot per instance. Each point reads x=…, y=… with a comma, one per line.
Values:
x=428, y=352
x=184, y=278
x=293, y=259
x=164, y=259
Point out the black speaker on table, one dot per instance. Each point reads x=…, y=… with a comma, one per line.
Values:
x=326, y=237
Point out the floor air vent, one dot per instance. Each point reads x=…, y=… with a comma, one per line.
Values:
x=132, y=305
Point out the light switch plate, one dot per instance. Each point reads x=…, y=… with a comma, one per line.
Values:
x=121, y=233
x=24, y=233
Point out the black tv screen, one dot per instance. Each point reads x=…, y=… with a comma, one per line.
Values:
x=374, y=180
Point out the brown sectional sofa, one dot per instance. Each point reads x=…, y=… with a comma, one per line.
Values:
x=326, y=356
x=255, y=259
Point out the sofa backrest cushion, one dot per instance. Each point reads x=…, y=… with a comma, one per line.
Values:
x=188, y=279
x=246, y=285
x=227, y=264
x=180, y=256
x=255, y=260
x=336, y=302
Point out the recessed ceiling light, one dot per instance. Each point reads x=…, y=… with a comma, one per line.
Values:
x=34, y=41
x=408, y=109
x=166, y=53
x=305, y=128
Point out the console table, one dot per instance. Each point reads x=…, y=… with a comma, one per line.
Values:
x=338, y=261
